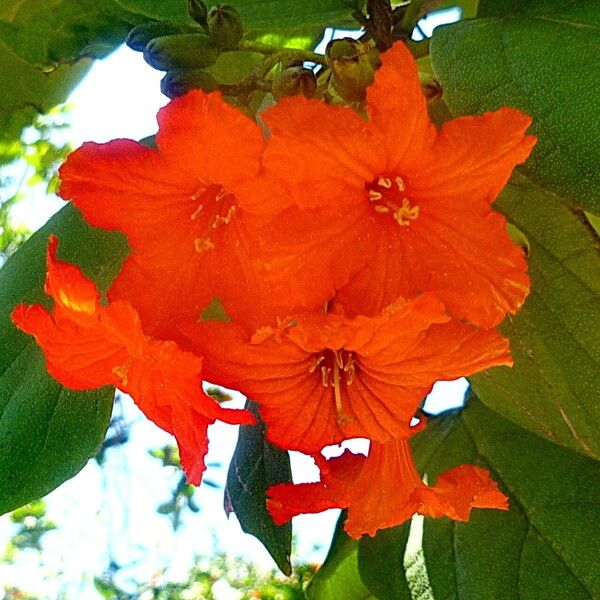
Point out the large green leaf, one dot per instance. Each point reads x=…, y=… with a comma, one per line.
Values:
x=542, y=56
x=553, y=388
x=546, y=547
x=339, y=578
x=47, y=433
x=266, y=16
x=381, y=563
x=257, y=465
x=25, y=91
x=46, y=33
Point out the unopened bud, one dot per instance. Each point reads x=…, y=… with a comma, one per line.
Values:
x=141, y=35
x=352, y=69
x=294, y=81
x=197, y=10
x=225, y=26
x=185, y=51
x=180, y=81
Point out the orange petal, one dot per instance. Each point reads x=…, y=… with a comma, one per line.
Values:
x=385, y=490
x=473, y=158
x=457, y=491
x=398, y=108
x=326, y=149
x=464, y=255
x=108, y=347
x=322, y=378
x=285, y=500
x=209, y=139
x=178, y=209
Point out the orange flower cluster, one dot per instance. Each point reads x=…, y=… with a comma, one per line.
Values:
x=357, y=256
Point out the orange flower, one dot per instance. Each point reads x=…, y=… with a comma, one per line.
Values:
x=179, y=207
x=322, y=378
x=384, y=490
x=87, y=346
x=394, y=207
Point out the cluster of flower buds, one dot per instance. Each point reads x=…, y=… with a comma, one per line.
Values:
x=184, y=51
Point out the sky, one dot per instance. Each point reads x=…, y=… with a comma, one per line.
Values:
x=110, y=513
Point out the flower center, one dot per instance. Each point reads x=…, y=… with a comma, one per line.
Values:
x=387, y=196
x=336, y=367
x=216, y=207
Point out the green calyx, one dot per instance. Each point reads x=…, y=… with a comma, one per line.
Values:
x=294, y=81
x=225, y=26
x=352, y=64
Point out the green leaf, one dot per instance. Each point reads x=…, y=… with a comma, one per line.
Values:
x=546, y=547
x=232, y=67
x=25, y=91
x=339, y=578
x=47, y=433
x=257, y=465
x=381, y=563
x=47, y=33
x=291, y=23
x=542, y=56
x=159, y=10
x=555, y=337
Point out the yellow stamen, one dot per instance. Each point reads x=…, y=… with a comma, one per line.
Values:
x=337, y=364
x=316, y=363
x=385, y=182
x=381, y=209
x=203, y=244
x=406, y=213
x=197, y=212
x=224, y=220
x=374, y=196
x=400, y=183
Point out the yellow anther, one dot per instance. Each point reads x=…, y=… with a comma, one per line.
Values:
x=121, y=371
x=203, y=244
x=400, y=183
x=325, y=375
x=381, y=209
x=374, y=196
x=220, y=195
x=197, y=212
x=406, y=213
x=198, y=193
x=385, y=182
x=316, y=363
x=223, y=220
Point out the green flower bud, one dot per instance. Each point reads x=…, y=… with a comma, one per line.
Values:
x=294, y=81
x=141, y=35
x=184, y=51
x=179, y=82
x=352, y=70
x=197, y=10
x=225, y=26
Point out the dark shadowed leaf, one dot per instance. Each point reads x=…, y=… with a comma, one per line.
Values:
x=339, y=578
x=381, y=563
x=47, y=433
x=257, y=465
